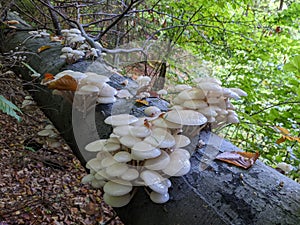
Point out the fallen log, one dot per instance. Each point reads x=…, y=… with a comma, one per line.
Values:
x=211, y=193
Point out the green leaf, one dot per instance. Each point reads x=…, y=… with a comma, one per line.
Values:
x=293, y=65
x=9, y=108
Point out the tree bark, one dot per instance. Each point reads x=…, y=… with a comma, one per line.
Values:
x=212, y=192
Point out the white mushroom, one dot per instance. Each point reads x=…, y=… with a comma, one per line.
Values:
x=182, y=87
x=96, y=146
x=117, y=201
x=122, y=157
x=116, y=169
x=124, y=94
x=106, y=100
x=143, y=150
x=179, y=164
x=94, y=164
x=152, y=111
x=159, y=198
x=193, y=93
x=121, y=119
x=117, y=187
x=107, y=91
x=185, y=117
x=161, y=138
x=129, y=140
x=130, y=174
x=158, y=163
x=154, y=180
x=181, y=141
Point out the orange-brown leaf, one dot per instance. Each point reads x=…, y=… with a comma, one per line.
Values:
x=143, y=102
x=12, y=22
x=241, y=159
x=280, y=140
x=66, y=83
x=43, y=48
x=283, y=130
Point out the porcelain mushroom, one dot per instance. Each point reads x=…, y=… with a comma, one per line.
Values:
x=117, y=187
x=185, y=117
x=121, y=119
x=117, y=201
x=158, y=163
x=159, y=198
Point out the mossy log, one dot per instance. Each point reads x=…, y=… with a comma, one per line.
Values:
x=211, y=193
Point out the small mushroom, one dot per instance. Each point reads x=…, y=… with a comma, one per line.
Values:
x=96, y=146
x=161, y=138
x=121, y=119
x=158, y=163
x=117, y=201
x=116, y=169
x=185, y=117
x=152, y=111
x=130, y=174
x=117, y=187
x=122, y=157
x=159, y=198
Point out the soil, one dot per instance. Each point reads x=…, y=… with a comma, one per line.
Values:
x=40, y=178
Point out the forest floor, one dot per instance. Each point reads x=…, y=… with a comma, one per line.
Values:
x=40, y=178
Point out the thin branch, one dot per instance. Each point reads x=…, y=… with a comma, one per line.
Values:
x=132, y=3
x=271, y=106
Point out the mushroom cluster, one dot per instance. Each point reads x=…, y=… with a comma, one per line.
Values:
x=210, y=99
x=76, y=46
x=84, y=85
x=141, y=152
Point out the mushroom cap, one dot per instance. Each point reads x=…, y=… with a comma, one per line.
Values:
x=130, y=174
x=194, y=93
x=67, y=50
x=106, y=100
x=239, y=91
x=179, y=164
x=116, y=201
x=159, y=198
x=209, y=86
x=77, y=39
x=195, y=104
x=120, y=120
x=108, y=161
x=93, y=78
x=161, y=122
x=122, y=157
x=152, y=111
x=111, y=146
x=124, y=94
x=74, y=31
x=185, y=117
x=116, y=169
x=96, y=146
x=161, y=138
x=122, y=130
x=181, y=141
x=182, y=87
x=98, y=183
x=94, y=164
x=154, y=180
x=117, y=187
x=158, y=163
x=208, y=112
x=78, y=53
x=87, y=178
x=129, y=140
x=107, y=91
x=143, y=150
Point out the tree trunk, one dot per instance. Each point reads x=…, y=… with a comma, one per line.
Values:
x=211, y=193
